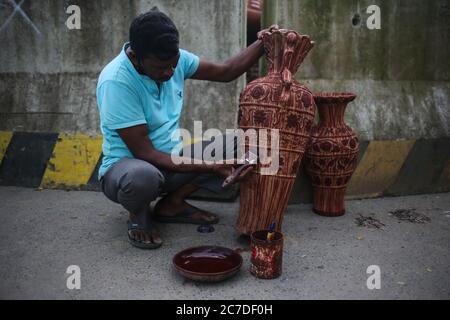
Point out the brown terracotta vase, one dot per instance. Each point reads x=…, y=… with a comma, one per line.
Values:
x=276, y=101
x=332, y=154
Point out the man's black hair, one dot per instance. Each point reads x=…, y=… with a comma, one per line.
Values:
x=154, y=33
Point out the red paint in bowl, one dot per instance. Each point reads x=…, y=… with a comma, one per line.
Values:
x=207, y=263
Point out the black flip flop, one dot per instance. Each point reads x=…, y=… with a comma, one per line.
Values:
x=137, y=243
x=184, y=217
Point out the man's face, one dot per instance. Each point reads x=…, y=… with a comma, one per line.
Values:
x=159, y=70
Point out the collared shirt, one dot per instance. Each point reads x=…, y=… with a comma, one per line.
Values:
x=126, y=98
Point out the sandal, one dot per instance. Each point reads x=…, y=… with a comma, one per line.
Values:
x=137, y=243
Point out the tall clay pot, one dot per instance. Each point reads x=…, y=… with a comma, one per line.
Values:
x=332, y=155
x=276, y=101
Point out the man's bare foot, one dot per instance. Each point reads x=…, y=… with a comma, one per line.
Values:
x=178, y=209
x=140, y=232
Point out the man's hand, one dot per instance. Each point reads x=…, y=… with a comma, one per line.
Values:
x=267, y=30
x=228, y=171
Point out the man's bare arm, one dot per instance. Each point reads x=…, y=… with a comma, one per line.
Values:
x=141, y=147
x=232, y=68
x=137, y=140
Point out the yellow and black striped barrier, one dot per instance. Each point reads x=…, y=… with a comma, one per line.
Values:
x=385, y=168
x=49, y=160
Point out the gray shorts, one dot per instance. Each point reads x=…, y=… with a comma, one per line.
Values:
x=135, y=183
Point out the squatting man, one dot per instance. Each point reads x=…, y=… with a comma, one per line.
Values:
x=140, y=98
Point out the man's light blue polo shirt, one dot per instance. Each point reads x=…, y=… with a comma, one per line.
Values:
x=126, y=98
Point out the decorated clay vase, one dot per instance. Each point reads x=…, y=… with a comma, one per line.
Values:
x=332, y=154
x=276, y=101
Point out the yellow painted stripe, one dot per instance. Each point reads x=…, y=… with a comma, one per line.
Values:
x=73, y=160
x=5, y=138
x=379, y=167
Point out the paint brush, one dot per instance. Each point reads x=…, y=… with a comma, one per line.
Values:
x=250, y=159
x=235, y=174
x=271, y=232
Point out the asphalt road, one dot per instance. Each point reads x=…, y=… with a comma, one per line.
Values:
x=44, y=232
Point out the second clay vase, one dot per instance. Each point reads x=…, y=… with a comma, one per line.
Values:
x=332, y=155
x=276, y=101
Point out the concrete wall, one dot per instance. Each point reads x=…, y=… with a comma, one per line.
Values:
x=48, y=75
x=400, y=73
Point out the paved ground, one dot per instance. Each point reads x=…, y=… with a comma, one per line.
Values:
x=43, y=232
